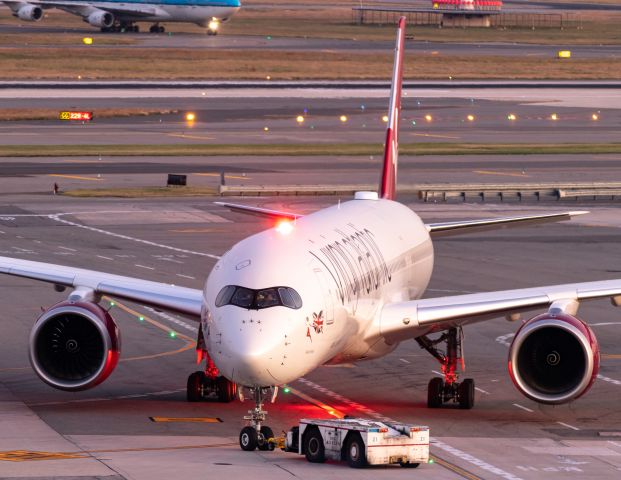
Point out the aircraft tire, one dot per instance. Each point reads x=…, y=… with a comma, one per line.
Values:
x=434, y=392
x=466, y=394
x=194, y=391
x=248, y=439
x=226, y=390
x=263, y=442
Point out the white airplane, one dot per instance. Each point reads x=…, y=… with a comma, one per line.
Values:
x=122, y=15
x=338, y=285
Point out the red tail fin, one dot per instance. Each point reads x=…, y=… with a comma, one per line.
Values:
x=391, y=150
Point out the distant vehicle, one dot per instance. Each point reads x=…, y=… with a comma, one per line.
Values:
x=360, y=442
x=121, y=15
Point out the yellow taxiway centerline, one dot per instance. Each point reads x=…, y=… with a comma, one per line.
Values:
x=75, y=177
x=503, y=174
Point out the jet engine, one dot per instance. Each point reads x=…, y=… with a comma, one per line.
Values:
x=74, y=346
x=554, y=358
x=99, y=18
x=31, y=13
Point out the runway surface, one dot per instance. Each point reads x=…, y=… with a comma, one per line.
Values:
x=109, y=428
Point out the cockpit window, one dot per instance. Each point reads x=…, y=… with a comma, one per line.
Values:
x=243, y=297
x=259, y=299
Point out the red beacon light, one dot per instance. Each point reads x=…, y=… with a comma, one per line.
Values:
x=284, y=227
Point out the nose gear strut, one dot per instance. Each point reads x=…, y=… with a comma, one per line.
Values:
x=257, y=435
x=440, y=390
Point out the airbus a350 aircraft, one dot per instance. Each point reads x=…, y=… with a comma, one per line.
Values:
x=122, y=15
x=339, y=285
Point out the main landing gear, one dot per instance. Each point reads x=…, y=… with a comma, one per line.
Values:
x=156, y=28
x=210, y=385
x=122, y=27
x=257, y=435
x=448, y=389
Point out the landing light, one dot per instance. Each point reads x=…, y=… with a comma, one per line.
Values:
x=343, y=118
x=213, y=25
x=511, y=116
x=299, y=119
x=595, y=116
x=190, y=117
x=428, y=117
x=554, y=116
x=284, y=227
x=470, y=118
x=385, y=119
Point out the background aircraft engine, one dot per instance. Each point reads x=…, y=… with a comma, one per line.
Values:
x=31, y=13
x=74, y=346
x=99, y=18
x=554, y=358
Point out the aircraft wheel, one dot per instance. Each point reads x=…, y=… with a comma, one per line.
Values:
x=354, y=450
x=466, y=394
x=409, y=465
x=266, y=434
x=435, y=392
x=194, y=391
x=161, y=29
x=226, y=390
x=248, y=439
x=314, y=448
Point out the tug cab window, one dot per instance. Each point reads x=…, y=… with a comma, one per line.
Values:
x=259, y=299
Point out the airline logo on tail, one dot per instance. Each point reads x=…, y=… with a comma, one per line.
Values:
x=391, y=150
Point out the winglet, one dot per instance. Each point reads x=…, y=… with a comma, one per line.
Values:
x=391, y=149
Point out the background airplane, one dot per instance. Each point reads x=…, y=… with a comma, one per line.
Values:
x=120, y=15
x=339, y=285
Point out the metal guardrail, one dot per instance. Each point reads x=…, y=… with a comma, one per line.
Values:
x=444, y=191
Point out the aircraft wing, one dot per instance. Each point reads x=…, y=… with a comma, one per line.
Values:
x=470, y=226
x=403, y=320
x=85, y=8
x=170, y=297
x=258, y=211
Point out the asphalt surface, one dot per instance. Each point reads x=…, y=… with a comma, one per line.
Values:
x=110, y=425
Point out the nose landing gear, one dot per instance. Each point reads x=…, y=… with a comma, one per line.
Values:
x=440, y=390
x=256, y=435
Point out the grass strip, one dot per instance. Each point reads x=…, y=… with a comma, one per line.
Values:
x=316, y=149
x=139, y=192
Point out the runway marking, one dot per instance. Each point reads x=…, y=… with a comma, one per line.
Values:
x=193, y=137
x=105, y=258
x=125, y=237
x=174, y=320
x=437, y=373
x=404, y=360
x=186, y=276
x=568, y=426
x=433, y=135
x=67, y=248
x=436, y=443
x=80, y=161
x=186, y=419
x=103, y=399
x=75, y=177
x=143, y=266
x=481, y=390
x=199, y=230
x=523, y=408
x=234, y=177
x=2, y=232
x=502, y=174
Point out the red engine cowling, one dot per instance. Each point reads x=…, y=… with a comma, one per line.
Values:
x=74, y=346
x=554, y=358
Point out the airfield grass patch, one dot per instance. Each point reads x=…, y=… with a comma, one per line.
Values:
x=319, y=149
x=19, y=114
x=155, y=63
x=139, y=192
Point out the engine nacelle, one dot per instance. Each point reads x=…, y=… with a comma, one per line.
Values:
x=74, y=346
x=99, y=18
x=554, y=358
x=31, y=13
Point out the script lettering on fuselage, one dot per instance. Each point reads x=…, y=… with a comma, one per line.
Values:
x=355, y=263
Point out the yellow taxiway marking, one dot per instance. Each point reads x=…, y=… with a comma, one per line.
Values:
x=331, y=410
x=433, y=135
x=76, y=177
x=186, y=419
x=614, y=356
x=236, y=177
x=192, y=137
x=26, y=455
x=80, y=161
x=454, y=468
x=504, y=174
